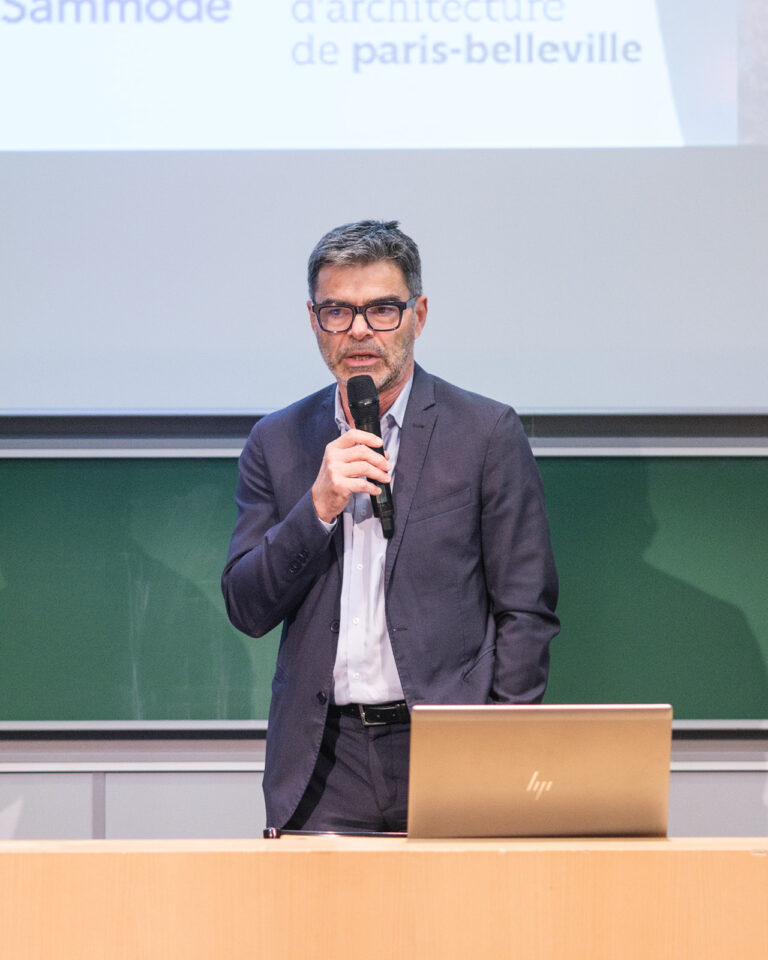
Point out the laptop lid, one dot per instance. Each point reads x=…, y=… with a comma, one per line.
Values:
x=539, y=771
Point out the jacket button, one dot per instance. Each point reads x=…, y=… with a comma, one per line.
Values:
x=334, y=626
x=322, y=698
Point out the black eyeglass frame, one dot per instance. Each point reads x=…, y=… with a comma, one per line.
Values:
x=361, y=309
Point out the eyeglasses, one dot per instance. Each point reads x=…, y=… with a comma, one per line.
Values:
x=381, y=315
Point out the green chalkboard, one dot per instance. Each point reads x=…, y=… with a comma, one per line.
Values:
x=664, y=583
x=110, y=606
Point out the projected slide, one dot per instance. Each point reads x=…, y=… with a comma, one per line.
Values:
x=587, y=181
x=365, y=74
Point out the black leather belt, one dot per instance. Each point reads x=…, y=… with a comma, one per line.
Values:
x=374, y=714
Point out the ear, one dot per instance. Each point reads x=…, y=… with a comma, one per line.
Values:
x=312, y=317
x=420, y=314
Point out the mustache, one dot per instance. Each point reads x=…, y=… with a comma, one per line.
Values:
x=356, y=351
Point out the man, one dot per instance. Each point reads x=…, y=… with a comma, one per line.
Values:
x=457, y=607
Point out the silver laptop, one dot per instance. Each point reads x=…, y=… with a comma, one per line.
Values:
x=539, y=771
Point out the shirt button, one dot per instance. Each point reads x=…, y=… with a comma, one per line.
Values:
x=359, y=566
x=356, y=620
x=356, y=676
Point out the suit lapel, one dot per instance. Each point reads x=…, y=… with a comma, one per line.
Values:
x=418, y=424
x=321, y=430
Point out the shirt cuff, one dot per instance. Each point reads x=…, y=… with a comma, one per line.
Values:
x=328, y=527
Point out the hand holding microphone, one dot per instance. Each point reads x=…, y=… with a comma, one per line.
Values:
x=363, y=400
x=353, y=463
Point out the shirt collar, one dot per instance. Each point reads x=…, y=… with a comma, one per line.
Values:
x=396, y=411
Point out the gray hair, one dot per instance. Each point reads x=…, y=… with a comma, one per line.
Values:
x=367, y=241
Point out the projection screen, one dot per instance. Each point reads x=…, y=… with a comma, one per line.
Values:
x=587, y=181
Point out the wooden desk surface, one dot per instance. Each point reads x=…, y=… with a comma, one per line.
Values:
x=333, y=898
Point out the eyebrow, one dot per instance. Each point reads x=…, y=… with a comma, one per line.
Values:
x=330, y=302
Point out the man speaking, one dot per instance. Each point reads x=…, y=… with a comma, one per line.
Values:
x=449, y=598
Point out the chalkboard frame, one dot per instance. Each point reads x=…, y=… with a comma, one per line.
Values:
x=673, y=436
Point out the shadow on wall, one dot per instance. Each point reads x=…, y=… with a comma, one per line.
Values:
x=632, y=633
x=717, y=56
x=753, y=72
x=701, y=40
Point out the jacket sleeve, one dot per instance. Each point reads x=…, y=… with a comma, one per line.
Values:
x=519, y=566
x=277, y=551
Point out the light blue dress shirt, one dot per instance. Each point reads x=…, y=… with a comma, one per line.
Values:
x=365, y=670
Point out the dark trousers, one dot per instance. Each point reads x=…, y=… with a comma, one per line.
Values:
x=360, y=780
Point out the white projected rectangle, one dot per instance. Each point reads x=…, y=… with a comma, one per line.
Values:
x=349, y=74
x=166, y=167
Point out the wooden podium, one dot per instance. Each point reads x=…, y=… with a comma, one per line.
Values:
x=385, y=899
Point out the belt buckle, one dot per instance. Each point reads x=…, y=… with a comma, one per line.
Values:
x=366, y=721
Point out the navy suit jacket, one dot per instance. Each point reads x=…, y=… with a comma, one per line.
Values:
x=470, y=582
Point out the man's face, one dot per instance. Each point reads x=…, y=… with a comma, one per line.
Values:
x=387, y=357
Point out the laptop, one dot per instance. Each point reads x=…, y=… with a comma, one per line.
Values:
x=539, y=771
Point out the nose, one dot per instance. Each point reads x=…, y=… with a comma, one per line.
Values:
x=359, y=326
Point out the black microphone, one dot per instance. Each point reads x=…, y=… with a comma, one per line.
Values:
x=364, y=406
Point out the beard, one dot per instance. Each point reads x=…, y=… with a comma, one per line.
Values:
x=395, y=357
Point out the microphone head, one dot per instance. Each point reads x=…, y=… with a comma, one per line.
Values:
x=362, y=396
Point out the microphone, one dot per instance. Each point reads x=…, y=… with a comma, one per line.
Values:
x=363, y=402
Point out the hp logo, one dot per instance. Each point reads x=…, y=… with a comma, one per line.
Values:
x=538, y=786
